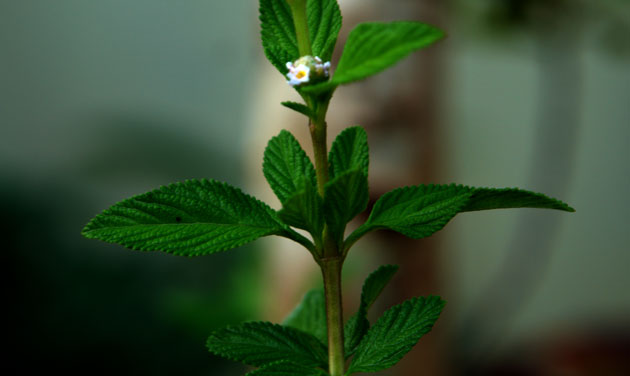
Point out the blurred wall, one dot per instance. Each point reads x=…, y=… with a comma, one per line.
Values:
x=101, y=100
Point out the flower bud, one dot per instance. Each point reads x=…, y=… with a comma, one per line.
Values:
x=307, y=69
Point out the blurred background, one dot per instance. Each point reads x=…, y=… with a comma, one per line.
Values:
x=103, y=100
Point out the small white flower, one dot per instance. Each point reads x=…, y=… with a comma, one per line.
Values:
x=299, y=74
x=307, y=69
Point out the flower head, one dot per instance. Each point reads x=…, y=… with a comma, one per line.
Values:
x=307, y=69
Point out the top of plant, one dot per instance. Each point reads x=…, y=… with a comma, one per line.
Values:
x=371, y=47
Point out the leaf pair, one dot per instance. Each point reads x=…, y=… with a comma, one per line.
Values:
x=291, y=176
x=391, y=337
x=278, y=30
x=394, y=334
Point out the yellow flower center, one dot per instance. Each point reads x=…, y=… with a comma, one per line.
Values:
x=300, y=74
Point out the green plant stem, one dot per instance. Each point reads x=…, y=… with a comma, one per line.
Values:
x=298, y=8
x=331, y=269
x=331, y=260
x=317, y=128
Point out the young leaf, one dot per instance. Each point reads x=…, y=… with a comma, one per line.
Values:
x=358, y=324
x=299, y=107
x=262, y=343
x=375, y=283
x=419, y=211
x=324, y=23
x=304, y=210
x=193, y=218
x=286, y=165
x=373, y=47
x=345, y=196
x=278, y=30
x=278, y=33
x=310, y=315
x=284, y=368
x=395, y=333
x=349, y=151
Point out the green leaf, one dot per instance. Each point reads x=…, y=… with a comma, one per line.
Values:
x=284, y=368
x=278, y=30
x=324, y=22
x=349, y=151
x=373, y=47
x=193, y=218
x=345, y=196
x=358, y=324
x=354, y=330
x=375, y=283
x=493, y=198
x=278, y=33
x=262, y=343
x=419, y=211
x=286, y=165
x=395, y=334
x=310, y=315
x=305, y=210
x=299, y=107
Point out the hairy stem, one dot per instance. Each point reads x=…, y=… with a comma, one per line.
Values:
x=331, y=269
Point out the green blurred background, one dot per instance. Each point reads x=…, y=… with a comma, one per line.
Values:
x=101, y=100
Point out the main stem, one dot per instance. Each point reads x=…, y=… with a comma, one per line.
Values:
x=331, y=270
x=331, y=258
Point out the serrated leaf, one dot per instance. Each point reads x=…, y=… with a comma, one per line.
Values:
x=193, y=218
x=305, y=210
x=278, y=33
x=284, y=368
x=357, y=325
x=345, y=196
x=395, y=334
x=419, y=211
x=310, y=315
x=349, y=151
x=262, y=343
x=374, y=46
x=287, y=167
x=324, y=23
x=299, y=107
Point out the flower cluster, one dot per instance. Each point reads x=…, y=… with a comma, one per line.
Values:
x=307, y=69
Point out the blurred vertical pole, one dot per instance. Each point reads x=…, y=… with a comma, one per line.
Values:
x=409, y=116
